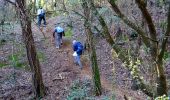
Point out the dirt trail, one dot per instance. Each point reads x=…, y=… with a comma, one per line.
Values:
x=86, y=71
x=62, y=62
x=105, y=83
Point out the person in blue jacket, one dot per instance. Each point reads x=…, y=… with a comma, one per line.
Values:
x=78, y=49
x=57, y=34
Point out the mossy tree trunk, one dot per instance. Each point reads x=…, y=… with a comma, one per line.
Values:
x=161, y=78
x=92, y=51
x=94, y=64
x=150, y=41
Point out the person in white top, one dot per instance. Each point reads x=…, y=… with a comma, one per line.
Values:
x=41, y=16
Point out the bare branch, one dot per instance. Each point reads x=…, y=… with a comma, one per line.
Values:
x=12, y=2
x=79, y=14
x=122, y=56
x=142, y=6
x=152, y=31
x=167, y=34
x=129, y=23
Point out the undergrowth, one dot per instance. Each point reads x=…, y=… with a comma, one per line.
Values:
x=68, y=33
x=82, y=90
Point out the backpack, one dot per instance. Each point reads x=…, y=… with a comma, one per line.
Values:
x=80, y=48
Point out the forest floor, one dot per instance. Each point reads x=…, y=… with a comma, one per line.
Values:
x=60, y=74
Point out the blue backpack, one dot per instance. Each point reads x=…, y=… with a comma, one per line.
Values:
x=78, y=47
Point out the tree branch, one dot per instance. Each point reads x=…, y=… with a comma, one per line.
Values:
x=152, y=31
x=142, y=6
x=12, y=2
x=122, y=53
x=129, y=23
x=165, y=40
x=77, y=13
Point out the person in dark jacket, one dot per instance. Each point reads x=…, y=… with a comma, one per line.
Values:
x=57, y=34
x=41, y=16
x=78, y=49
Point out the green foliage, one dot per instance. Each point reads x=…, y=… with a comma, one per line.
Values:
x=30, y=6
x=74, y=2
x=146, y=49
x=68, y=33
x=41, y=3
x=164, y=97
x=167, y=56
x=134, y=68
x=41, y=56
x=16, y=61
x=78, y=91
x=105, y=11
x=82, y=90
x=2, y=42
x=54, y=14
x=2, y=64
x=163, y=24
x=160, y=2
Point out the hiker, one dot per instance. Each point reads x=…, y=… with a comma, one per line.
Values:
x=41, y=16
x=58, y=34
x=78, y=49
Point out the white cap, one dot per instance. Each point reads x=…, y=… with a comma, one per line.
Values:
x=74, y=41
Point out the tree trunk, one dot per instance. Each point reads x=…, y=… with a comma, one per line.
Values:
x=161, y=78
x=92, y=51
x=64, y=6
x=94, y=65
x=34, y=6
x=95, y=69
x=38, y=86
x=122, y=53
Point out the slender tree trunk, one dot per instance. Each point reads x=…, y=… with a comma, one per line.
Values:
x=92, y=51
x=34, y=6
x=94, y=65
x=38, y=85
x=161, y=78
x=64, y=6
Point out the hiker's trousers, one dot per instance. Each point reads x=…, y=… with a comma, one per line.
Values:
x=77, y=60
x=58, y=39
x=40, y=18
